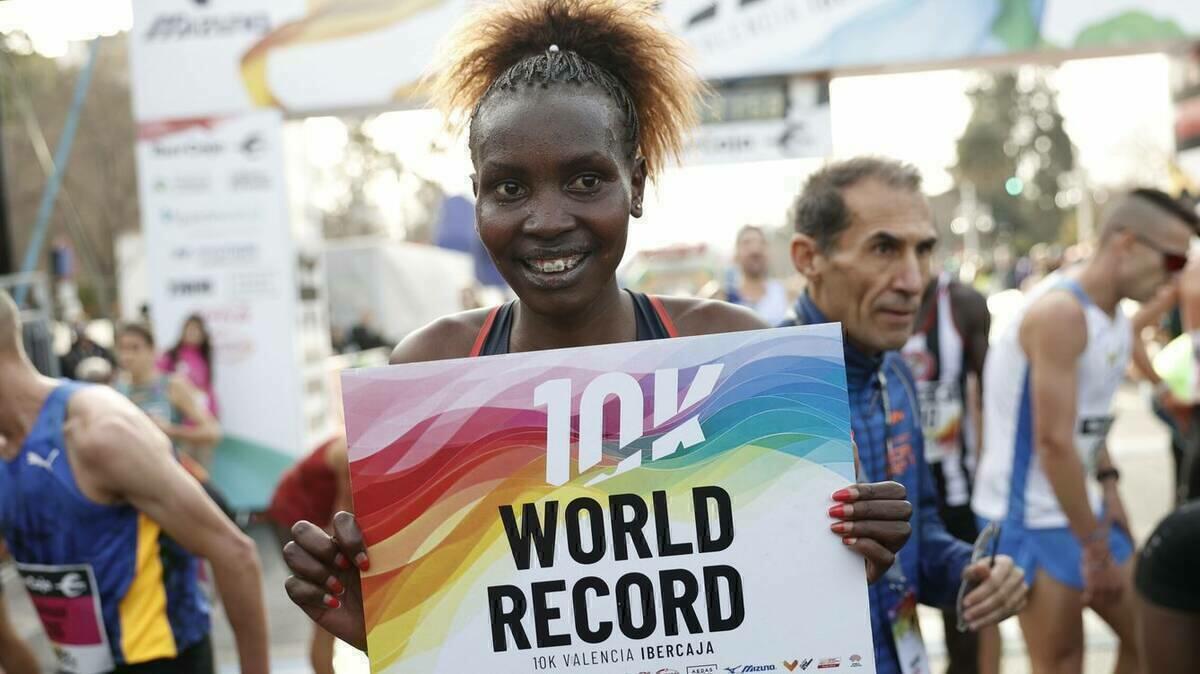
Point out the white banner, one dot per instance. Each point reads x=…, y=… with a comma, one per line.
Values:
x=219, y=242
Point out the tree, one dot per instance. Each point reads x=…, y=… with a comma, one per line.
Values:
x=99, y=195
x=1017, y=155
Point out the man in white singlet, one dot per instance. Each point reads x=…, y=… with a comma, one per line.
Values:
x=1045, y=471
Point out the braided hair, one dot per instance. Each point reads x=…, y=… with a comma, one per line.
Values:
x=619, y=46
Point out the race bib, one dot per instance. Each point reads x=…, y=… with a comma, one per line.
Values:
x=67, y=600
x=941, y=418
x=1090, y=436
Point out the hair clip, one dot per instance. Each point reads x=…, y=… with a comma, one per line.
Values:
x=553, y=48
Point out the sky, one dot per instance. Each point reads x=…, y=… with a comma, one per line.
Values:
x=1117, y=111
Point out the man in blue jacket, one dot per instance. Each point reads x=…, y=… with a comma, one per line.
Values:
x=864, y=239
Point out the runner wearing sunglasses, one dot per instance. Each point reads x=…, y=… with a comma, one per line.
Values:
x=1045, y=472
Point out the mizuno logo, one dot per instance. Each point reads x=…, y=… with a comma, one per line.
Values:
x=47, y=463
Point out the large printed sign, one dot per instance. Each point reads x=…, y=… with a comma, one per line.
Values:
x=195, y=58
x=644, y=507
x=220, y=242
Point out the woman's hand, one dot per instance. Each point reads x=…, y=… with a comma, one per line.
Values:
x=325, y=576
x=872, y=519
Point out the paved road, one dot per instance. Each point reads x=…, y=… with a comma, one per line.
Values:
x=1138, y=444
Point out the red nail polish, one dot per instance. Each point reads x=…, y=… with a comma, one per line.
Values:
x=340, y=560
x=840, y=527
x=843, y=495
x=363, y=563
x=335, y=586
x=332, y=602
x=838, y=511
x=849, y=540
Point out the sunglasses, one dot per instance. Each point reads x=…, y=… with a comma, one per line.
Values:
x=985, y=547
x=1172, y=262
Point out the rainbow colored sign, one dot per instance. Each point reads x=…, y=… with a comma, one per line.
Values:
x=642, y=507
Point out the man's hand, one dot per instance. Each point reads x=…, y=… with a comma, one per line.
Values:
x=1001, y=592
x=1179, y=409
x=1103, y=581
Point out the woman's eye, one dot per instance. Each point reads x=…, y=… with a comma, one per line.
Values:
x=585, y=183
x=509, y=190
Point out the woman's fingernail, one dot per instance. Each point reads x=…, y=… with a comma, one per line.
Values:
x=340, y=560
x=361, y=560
x=841, y=511
x=849, y=540
x=844, y=495
x=840, y=527
x=332, y=602
x=335, y=586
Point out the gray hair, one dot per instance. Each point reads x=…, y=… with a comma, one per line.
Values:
x=821, y=212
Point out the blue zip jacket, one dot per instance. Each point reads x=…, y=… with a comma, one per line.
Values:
x=932, y=561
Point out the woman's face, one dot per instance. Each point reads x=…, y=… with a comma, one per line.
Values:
x=193, y=334
x=555, y=188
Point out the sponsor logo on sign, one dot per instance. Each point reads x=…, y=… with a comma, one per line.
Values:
x=246, y=181
x=189, y=148
x=702, y=669
x=191, y=288
x=830, y=663
x=856, y=661
x=791, y=665
x=744, y=669
x=180, y=26
x=253, y=145
x=666, y=671
x=804, y=665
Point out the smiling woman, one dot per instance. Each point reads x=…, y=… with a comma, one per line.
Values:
x=572, y=105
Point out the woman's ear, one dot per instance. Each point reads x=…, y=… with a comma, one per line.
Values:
x=638, y=187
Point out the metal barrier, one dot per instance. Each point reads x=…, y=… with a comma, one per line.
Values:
x=37, y=318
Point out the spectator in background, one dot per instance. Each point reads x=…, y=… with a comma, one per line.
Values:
x=191, y=357
x=169, y=399
x=94, y=370
x=314, y=489
x=364, y=336
x=82, y=348
x=1168, y=602
x=751, y=286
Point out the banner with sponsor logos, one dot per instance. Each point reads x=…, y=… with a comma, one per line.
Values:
x=219, y=242
x=193, y=58
x=654, y=507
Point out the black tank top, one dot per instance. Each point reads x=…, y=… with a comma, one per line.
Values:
x=652, y=319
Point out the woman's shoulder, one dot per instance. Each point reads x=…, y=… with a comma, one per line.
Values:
x=694, y=316
x=450, y=336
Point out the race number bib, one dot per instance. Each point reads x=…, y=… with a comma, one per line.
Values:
x=67, y=600
x=941, y=418
x=1090, y=435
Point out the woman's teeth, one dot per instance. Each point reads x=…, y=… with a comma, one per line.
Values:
x=555, y=265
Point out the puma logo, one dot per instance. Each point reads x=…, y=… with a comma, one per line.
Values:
x=47, y=463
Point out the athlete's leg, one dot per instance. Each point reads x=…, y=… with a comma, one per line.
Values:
x=961, y=647
x=1121, y=617
x=1170, y=639
x=321, y=651
x=1052, y=623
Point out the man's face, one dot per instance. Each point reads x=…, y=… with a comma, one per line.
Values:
x=134, y=355
x=872, y=277
x=1144, y=265
x=752, y=253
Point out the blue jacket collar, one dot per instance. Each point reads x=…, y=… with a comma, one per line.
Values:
x=860, y=368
